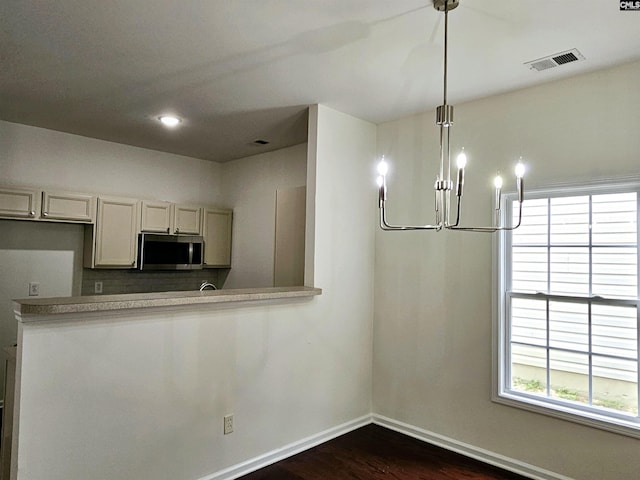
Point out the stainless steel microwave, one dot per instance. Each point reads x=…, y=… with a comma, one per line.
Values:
x=169, y=252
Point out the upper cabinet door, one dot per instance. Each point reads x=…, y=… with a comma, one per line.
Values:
x=116, y=235
x=217, y=237
x=72, y=207
x=18, y=203
x=156, y=217
x=186, y=219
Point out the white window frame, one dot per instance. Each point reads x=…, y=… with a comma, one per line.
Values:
x=621, y=424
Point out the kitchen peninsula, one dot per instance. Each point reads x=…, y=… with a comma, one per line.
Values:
x=134, y=360
x=34, y=310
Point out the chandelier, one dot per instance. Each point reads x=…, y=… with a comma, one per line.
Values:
x=444, y=185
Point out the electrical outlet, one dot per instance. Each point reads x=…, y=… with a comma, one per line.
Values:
x=97, y=287
x=228, y=424
x=34, y=289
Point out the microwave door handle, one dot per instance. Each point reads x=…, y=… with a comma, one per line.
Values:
x=190, y=253
x=141, y=250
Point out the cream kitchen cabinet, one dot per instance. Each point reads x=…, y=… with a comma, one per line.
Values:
x=72, y=207
x=165, y=217
x=113, y=240
x=47, y=205
x=187, y=219
x=156, y=217
x=19, y=203
x=217, y=237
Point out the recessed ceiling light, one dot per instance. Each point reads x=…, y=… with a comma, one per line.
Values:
x=169, y=120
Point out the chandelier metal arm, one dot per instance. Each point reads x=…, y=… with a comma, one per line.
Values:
x=384, y=225
x=484, y=229
x=399, y=228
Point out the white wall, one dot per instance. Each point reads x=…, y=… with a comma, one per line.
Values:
x=46, y=158
x=143, y=397
x=28, y=253
x=249, y=187
x=433, y=316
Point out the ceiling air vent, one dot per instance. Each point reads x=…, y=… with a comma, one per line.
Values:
x=555, y=60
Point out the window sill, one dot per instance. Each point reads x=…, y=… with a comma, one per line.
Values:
x=620, y=426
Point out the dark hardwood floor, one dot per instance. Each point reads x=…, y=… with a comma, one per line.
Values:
x=377, y=453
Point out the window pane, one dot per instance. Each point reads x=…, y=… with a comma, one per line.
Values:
x=570, y=221
x=569, y=326
x=569, y=271
x=529, y=321
x=569, y=376
x=615, y=369
x=534, y=227
x=615, y=272
x=617, y=392
x=529, y=369
x=614, y=330
x=563, y=345
x=529, y=269
x=614, y=219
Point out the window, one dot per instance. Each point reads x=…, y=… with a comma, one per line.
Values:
x=568, y=306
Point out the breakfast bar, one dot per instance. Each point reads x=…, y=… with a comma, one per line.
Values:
x=120, y=370
x=33, y=309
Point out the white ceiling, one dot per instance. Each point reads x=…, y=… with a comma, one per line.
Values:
x=242, y=70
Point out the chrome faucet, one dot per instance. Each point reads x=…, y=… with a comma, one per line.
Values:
x=206, y=285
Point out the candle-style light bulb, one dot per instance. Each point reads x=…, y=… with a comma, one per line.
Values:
x=383, y=168
x=461, y=161
x=497, y=182
x=382, y=191
x=519, y=180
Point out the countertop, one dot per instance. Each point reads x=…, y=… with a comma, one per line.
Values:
x=28, y=308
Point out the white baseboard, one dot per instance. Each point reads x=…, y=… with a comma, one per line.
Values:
x=287, y=451
x=467, y=450
x=491, y=458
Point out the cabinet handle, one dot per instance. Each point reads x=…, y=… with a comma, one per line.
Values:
x=45, y=214
x=168, y=230
x=32, y=213
x=177, y=230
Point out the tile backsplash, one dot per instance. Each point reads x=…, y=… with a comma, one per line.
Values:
x=135, y=281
